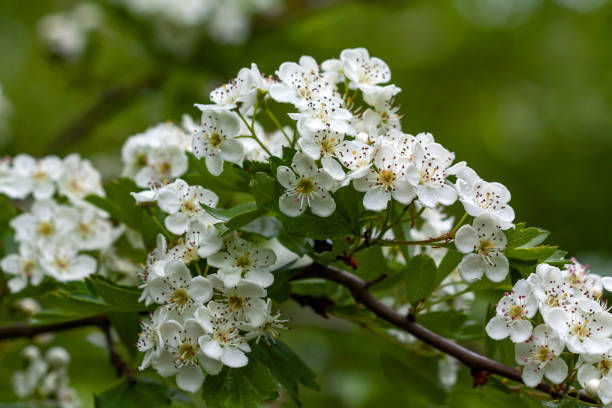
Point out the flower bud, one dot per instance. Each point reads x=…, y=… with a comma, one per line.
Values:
x=592, y=386
x=57, y=356
x=30, y=353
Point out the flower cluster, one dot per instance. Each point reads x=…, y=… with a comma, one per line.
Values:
x=205, y=319
x=227, y=21
x=568, y=312
x=59, y=224
x=45, y=378
x=66, y=34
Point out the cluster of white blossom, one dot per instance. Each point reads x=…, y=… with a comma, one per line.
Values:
x=45, y=378
x=572, y=315
x=204, y=321
x=59, y=224
x=227, y=21
x=66, y=33
x=339, y=142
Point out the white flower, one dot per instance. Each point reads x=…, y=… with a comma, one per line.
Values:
x=222, y=341
x=243, y=260
x=323, y=112
x=540, y=357
x=428, y=174
x=241, y=90
x=215, y=140
x=150, y=341
x=79, y=179
x=267, y=329
x=363, y=70
x=306, y=186
x=585, y=326
x=24, y=266
x=480, y=197
x=356, y=156
x=45, y=222
x=448, y=368
x=182, y=355
x=386, y=179
x=184, y=204
x=177, y=290
x=200, y=241
x=299, y=83
x=40, y=176
x=513, y=313
x=550, y=287
x=323, y=144
x=485, y=242
x=25, y=381
x=63, y=263
x=242, y=302
x=595, y=376
x=93, y=232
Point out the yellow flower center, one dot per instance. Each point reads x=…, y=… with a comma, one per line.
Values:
x=187, y=352
x=180, y=297
x=214, y=139
x=386, y=178
x=305, y=186
x=45, y=228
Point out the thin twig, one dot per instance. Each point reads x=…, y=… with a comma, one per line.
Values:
x=17, y=330
x=479, y=364
x=121, y=368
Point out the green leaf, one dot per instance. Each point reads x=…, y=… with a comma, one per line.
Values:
x=144, y=393
x=448, y=264
x=244, y=387
x=540, y=253
x=444, y=323
x=315, y=227
x=286, y=367
x=265, y=189
x=229, y=180
x=420, y=278
x=127, y=325
x=519, y=235
x=349, y=204
x=228, y=214
x=118, y=298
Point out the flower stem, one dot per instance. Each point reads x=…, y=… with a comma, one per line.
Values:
x=252, y=130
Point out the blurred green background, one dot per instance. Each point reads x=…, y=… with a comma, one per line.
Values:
x=520, y=89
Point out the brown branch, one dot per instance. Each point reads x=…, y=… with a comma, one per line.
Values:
x=18, y=330
x=479, y=364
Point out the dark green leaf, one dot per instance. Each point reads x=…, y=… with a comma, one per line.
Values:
x=519, y=235
x=118, y=298
x=265, y=189
x=228, y=214
x=244, y=387
x=420, y=278
x=231, y=178
x=145, y=393
x=536, y=253
x=286, y=367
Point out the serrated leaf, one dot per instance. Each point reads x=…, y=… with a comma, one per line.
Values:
x=349, y=204
x=229, y=180
x=315, y=227
x=117, y=298
x=520, y=235
x=144, y=393
x=451, y=259
x=420, y=278
x=286, y=367
x=244, y=387
x=227, y=214
x=540, y=253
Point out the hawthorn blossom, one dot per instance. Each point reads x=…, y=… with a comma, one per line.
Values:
x=40, y=176
x=513, y=313
x=45, y=222
x=268, y=328
x=539, y=357
x=355, y=156
x=480, y=197
x=177, y=290
x=79, y=179
x=62, y=262
x=222, y=340
x=92, y=231
x=386, y=179
x=242, y=260
x=299, y=83
x=550, y=288
x=584, y=326
x=305, y=186
x=23, y=267
x=243, y=302
x=150, y=341
x=184, y=204
x=183, y=356
x=323, y=144
x=595, y=376
x=431, y=163
x=484, y=242
x=362, y=69
x=215, y=141
x=200, y=241
x=323, y=112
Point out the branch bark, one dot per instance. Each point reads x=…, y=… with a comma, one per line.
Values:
x=478, y=363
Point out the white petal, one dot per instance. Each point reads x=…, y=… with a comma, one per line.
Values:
x=214, y=164
x=200, y=289
x=286, y=177
x=376, y=199
x=520, y=331
x=497, y=328
x=498, y=271
x=333, y=168
x=403, y=191
x=471, y=268
x=232, y=357
x=291, y=204
x=177, y=223
x=556, y=370
x=322, y=204
x=171, y=333
x=211, y=348
x=532, y=375
x=190, y=378
x=466, y=239
x=232, y=151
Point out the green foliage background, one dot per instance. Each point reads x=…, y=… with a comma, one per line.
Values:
x=527, y=103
